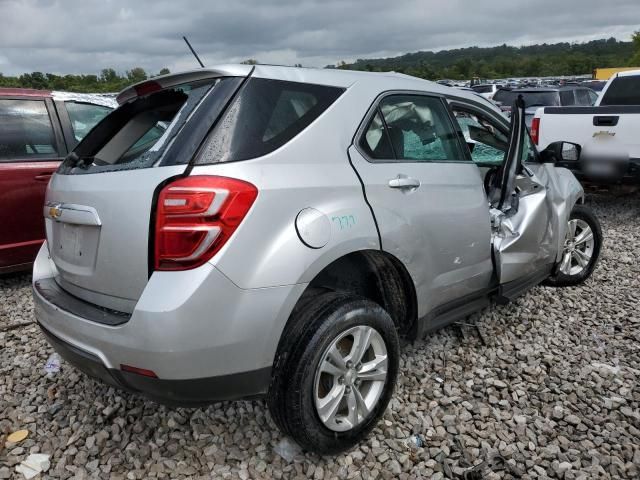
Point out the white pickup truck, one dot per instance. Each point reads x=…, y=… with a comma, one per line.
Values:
x=608, y=132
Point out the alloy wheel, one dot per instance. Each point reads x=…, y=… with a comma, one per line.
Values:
x=578, y=247
x=350, y=378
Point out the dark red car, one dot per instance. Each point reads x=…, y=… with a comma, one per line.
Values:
x=37, y=130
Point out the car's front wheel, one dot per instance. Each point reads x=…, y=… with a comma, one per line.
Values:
x=336, y=373
x=582, y=246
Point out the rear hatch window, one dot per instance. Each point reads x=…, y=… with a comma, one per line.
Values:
x=483, y=88
x=505, y=97
x=138, y=134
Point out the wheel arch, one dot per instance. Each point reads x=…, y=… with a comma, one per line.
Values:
x=373, y=274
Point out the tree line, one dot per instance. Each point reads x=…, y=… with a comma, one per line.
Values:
x=464, y=63
x=505, y=61
x=107, y=81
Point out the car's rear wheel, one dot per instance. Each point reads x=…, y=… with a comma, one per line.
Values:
x=334, y=377
x=581, y=251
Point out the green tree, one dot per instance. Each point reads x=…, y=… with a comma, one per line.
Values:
x=635, y=39
x=164, y=71
x=108, y=75
x=136, y=74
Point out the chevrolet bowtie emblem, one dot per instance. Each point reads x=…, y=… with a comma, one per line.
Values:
x=55, y=212
x=604, y=133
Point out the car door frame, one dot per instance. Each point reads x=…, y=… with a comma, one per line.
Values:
x=458, y=308
x=511, y=290
x=65, y=120
x=65, y=124
x=62, y=151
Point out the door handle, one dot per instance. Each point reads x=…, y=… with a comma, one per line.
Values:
x=43, y=177
x=404, y=182
x=602, y=121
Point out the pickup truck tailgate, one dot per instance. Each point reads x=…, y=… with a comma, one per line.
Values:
x=611, y=127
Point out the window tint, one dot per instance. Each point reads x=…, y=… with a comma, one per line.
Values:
x=505, y=97
x=487, y=143
x=419, y=129
x=25, y=130
x=84, y=116
x=623, y=91
x=540, y=99
x=266, y=115
x=531, y=98
x=482, y=88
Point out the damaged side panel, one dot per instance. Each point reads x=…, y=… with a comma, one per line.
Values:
x=565, y=192
x=532, y=238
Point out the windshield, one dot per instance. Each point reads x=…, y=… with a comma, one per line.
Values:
x=623, y=91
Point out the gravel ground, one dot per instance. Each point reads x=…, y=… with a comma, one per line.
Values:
x=544, y=387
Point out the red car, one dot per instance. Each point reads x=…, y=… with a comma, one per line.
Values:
x=37, y=130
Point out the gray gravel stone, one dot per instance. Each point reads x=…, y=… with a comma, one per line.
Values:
x=554, y=391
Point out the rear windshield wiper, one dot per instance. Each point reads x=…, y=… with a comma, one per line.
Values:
x=73, y=160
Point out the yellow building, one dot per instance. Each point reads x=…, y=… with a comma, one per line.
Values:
x=605, y=73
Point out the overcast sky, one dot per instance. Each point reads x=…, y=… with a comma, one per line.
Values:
x=84, y=36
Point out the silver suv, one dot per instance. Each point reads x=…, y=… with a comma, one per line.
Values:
x=269, y=231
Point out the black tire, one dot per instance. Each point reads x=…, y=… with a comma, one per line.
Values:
x=311, y=331
x=559, y=279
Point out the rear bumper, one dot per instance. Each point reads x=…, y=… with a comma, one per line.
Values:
x=184, y=393
x=204, y=338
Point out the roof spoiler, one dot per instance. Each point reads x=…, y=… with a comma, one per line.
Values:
x=171, y=80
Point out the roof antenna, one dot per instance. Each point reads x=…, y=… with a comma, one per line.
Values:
x=193, y=51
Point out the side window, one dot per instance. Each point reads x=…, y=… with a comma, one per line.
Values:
x=582, y=96
x=84, y=116
x=266, y=115
x=375, y=141
x=528, y=150
x=593, y=96
x=26, y=130
x=486, y=142
x=419, y=129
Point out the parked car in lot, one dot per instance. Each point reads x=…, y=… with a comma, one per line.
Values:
x=595, y=85
x=535, y=98
x=487, y=90
x=286, y=228
x=607, y=132
x=37, y=129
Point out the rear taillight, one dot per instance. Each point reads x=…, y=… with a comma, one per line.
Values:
x=139, y=371
x=535, y=130
x=195, y=218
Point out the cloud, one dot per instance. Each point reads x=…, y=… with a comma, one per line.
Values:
x=84, y=36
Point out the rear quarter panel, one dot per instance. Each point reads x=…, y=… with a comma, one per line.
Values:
x=312, y=170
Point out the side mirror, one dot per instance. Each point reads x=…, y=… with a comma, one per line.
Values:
x=561, y=152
